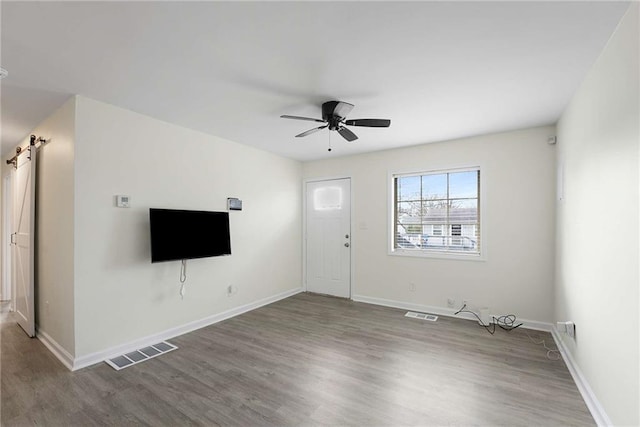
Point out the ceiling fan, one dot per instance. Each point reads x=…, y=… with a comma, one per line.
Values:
x=334, y=115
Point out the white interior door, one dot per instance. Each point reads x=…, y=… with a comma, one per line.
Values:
x=23, y=240
x=328, y=237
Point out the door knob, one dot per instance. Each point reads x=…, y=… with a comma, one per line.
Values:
x=346, y=236
x=346, y=245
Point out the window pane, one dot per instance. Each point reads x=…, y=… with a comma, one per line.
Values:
x=327, y=198
x=469, y=230
x=463, y=184
x=434, y=211
x=413, y=228
x=463, y=211
x=404, y=241
x=435, y=240
x=409, y=188
x=408, y=210
x=434, y=186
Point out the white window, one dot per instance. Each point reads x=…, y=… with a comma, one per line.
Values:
x=437, y=212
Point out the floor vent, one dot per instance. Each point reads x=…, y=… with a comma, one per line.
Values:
x=140, y=355
x=422, y=316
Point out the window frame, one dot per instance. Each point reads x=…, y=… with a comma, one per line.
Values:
x=391, y=221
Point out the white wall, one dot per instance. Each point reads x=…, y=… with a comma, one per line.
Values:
x=54, y=223
x=120, y=296
x=518, y=170
x=598, y=244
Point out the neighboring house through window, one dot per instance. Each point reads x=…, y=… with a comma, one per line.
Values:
x=437, y=212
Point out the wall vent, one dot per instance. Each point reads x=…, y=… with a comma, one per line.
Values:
x=140, y=355
x=422, y=316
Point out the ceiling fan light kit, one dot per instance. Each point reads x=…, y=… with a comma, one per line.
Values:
x=334, y=117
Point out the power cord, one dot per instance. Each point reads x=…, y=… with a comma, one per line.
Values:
x=550, y=351
x=490, y=330
x=508, y=323
x=183, y=278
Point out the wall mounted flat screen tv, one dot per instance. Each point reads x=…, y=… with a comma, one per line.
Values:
x=181, y=234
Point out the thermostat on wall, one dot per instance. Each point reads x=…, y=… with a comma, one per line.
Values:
x=123, y=201
x=234, y=204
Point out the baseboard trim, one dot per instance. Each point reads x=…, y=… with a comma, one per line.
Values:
x=597, y=411
x=100, y=356
x=443, y=311
x=58, y=351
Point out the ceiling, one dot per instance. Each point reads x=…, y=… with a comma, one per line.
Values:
x=438, y=70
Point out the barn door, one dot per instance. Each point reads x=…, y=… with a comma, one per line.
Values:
x=22, y=239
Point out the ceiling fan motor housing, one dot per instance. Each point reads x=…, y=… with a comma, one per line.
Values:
x=329, y=116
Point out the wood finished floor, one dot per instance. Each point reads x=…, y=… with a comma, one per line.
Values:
x=305, y=360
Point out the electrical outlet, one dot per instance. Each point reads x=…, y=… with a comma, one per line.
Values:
x=412, y=287
x=451, y=302
x=571, y=329
x=485, y=317
x=567, y=327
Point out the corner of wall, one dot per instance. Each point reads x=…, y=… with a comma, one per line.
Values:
x=597, y=250
x=55, y=266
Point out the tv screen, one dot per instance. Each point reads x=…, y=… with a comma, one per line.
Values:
x=180, y=234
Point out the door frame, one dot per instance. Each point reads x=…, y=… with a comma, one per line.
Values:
x=7, y=227
x=352, y=279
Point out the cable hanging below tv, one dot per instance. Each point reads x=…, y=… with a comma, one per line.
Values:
x=179, y=235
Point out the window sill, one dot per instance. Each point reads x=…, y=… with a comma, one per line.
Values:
x=437, y=255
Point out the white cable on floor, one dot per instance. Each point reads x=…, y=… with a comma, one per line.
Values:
x=544, y=344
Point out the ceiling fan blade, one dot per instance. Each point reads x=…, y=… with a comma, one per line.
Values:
x=372, y=123
x=310, y=131
x=342, y=109
x=309, y=119
x=347, y=134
